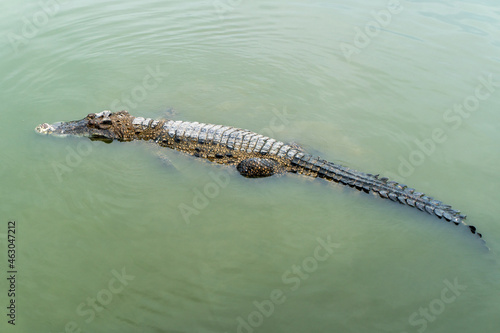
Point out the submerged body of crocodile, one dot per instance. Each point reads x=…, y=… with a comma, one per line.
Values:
x=253, y=154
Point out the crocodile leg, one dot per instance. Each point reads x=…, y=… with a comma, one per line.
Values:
x=258, y=167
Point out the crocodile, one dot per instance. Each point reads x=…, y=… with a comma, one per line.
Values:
x=254, y=155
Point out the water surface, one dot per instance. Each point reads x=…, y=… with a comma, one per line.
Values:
x=105, y=241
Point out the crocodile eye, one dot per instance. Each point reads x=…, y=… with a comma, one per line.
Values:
x=106, y=121
x=91, y=115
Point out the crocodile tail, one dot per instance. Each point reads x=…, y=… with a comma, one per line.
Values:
x=383, y=187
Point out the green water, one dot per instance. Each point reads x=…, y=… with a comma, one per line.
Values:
x=117, y=238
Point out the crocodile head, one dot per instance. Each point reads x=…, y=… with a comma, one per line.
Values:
x=105, y=126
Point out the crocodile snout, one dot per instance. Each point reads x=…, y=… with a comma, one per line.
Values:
x=46, y=128
x=42, y=128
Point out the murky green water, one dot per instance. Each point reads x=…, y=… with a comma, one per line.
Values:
x=114, y=238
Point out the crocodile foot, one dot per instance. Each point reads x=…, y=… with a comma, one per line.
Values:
x=258, y=167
